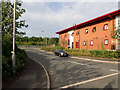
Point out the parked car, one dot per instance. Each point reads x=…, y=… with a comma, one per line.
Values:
x=61, y=53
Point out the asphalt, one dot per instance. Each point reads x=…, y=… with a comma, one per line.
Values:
x=67, y=71
x=32, y=77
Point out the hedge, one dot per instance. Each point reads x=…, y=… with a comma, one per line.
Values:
x=52, y=49
x=94, y=53
x=85, y=52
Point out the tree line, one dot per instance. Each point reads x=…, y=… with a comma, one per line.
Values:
x=36, y=40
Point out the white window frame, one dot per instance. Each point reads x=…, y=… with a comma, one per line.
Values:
x=106, y=42
x=91, y=42
x=86, y=31
x=106, y=27
x=84, y=43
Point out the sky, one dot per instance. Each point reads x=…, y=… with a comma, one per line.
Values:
x=51, y=17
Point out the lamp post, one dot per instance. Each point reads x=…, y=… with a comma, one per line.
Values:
x=13, y=52
x=46, y=39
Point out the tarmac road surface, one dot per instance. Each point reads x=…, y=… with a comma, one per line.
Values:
x=68, y=72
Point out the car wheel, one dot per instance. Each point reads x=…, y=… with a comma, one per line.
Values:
x=59, y=55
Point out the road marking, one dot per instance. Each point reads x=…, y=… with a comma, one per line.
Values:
x=48, y=77
x=35, y=84
x=91, y=80
x=78, y=63
x=96, y=60
x=30, y=50
x=115, y=70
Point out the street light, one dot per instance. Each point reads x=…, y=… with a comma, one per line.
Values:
x=13, y=52
x=46, y=38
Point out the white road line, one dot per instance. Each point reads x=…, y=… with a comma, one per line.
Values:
x=96, y=60
x=78, y=63
x=91, y=80
x=48, y=77
x=30, y=50
x=115, y=70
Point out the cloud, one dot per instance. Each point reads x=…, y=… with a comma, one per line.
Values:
x=71, y=0
x=55, y=16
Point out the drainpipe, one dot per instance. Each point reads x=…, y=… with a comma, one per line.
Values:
x=113, y=31
x=79, y=39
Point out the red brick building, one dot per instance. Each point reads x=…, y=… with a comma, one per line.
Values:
x=92, y=34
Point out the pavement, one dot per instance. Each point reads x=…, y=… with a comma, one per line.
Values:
x=33, y=76
x=78, y=72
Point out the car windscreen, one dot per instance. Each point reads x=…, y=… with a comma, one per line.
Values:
x=61, y=51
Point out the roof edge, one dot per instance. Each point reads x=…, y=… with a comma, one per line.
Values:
x=108, y=15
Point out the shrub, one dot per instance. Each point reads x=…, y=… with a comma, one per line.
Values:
x=51, y=49
x=85, y=52
x=117, y=54
x=6, y=67
x=7, y=63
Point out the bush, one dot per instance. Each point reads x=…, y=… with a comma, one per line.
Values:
x=7, y=63
x=85, y=52
x=6, y=67
x=7, y=47
x=94, y=53
x=117, y=54
x=51, y=49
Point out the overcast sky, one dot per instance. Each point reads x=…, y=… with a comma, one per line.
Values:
x=51, y=17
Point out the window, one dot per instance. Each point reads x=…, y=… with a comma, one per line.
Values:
x=77, y=33
x=91, y=43
x=65, y=36
x=86, y=31
x=94, y=29
x=84, y=43
x=68, y=42
x=60, y=37
x=106, y=41
x=105, y=27
x=72, y=34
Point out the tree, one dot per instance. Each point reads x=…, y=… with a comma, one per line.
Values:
x=40, y=39
x=34, y=39
x=116, y=34
x=45, y=40
x=7, y=17
x=53, y=41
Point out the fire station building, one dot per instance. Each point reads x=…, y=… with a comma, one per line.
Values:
x=92, y=34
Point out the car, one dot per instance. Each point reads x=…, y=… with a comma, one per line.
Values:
x=61, y=53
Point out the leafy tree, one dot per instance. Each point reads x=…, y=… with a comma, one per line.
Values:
x=40, y=39
x=25, y=39
x=116, y=34
x=53, y=41
x=7, y=17
x=34, y=39
x=45, y=40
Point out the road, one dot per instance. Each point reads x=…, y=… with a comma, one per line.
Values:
x=68, y=72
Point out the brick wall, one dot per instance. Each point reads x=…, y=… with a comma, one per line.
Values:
x=63, y=39
x=97, y=37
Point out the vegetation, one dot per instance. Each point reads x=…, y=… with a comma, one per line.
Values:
x=94, y=53
x=7, y=17
x=52, y=49
x=36, y=41
x=7, y=44
x=85, y=52
x=116, y=34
